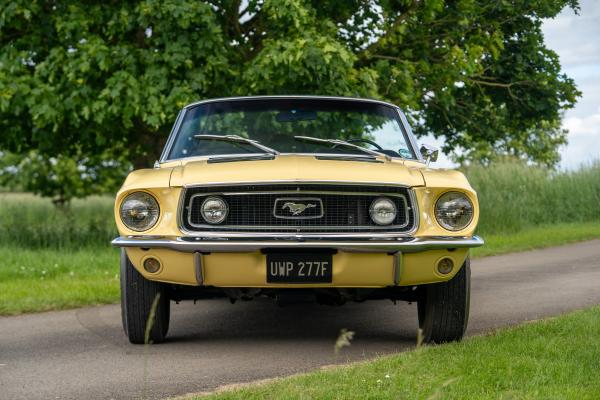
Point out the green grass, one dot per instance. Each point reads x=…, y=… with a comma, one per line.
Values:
x=537, y=237
x=55, y=259
x=552, y=359
x=48, y=279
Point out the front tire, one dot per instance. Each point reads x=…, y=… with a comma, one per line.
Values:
x=443, y=307
x=137, y=297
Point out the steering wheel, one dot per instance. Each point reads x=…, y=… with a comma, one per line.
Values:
x=378, y=147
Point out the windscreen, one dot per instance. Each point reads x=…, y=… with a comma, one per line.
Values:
x=276, y=123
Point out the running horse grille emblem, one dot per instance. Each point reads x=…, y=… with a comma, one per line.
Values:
x=297, y=208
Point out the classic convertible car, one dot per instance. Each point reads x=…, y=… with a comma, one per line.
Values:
x=296, y=198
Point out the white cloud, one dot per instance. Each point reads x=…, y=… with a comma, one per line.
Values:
x=574, y=38
x=584, y=140
x=586, y=126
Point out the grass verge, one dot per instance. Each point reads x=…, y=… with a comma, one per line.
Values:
x=552, y=359
x=537, y=237
x=34, y=280
x=44, y=279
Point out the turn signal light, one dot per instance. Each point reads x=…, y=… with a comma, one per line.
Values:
x=151, y=265
x=445, y=266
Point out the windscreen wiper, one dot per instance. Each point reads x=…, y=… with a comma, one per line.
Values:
x=238, y=139
x=342, y=143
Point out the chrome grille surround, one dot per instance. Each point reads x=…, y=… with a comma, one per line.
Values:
x=255, y=201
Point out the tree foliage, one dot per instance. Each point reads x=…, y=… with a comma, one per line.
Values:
x=62, y=178
x=83, y=76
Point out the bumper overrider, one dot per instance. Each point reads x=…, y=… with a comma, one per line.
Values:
x=241, y=262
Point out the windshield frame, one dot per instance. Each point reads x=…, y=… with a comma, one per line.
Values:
x=404, y=126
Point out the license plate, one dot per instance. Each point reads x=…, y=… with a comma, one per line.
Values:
x=299, y=268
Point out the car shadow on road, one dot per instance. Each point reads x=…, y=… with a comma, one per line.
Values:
x=263, y=321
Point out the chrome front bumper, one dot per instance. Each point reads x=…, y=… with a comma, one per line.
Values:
x=196, y=244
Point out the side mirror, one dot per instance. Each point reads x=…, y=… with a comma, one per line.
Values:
x=429, y=153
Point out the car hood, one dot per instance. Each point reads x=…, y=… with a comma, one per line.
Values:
x=295, y=168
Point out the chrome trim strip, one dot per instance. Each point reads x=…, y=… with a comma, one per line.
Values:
x=404, y=245
x=348, y=233
x=336, y=192
x=235, y=158
x=172, y=135
x=349, y=158
x=319, y=156
x=408, y=134
x=336, y=156
x=283, y=96
x=224, y=235
x=296, y=181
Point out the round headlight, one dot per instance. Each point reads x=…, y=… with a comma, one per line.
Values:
x=383, y=211
x=214, y=210
x=454, y=211
x=139, y=211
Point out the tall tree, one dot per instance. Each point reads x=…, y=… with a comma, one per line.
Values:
x=80, y=76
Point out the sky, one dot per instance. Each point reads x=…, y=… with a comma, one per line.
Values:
x=576, y=40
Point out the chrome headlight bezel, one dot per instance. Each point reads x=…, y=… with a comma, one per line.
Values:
x=139, y=211
x=457, y=203
x=377, y=209
x=212, y=201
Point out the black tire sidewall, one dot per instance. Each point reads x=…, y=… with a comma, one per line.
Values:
x=443, y=308
x=137, y=297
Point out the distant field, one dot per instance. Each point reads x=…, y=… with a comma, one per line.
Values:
x=33, y=222
x=515, y=197
x=52, y=259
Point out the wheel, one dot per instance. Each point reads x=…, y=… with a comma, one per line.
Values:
x=444, y=307
x=137, y=296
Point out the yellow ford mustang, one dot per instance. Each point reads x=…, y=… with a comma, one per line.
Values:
x=296, y=198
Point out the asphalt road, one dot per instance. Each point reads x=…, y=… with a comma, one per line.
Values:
x=83, y=353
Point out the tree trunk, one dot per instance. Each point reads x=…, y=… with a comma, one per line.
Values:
x=148, y=146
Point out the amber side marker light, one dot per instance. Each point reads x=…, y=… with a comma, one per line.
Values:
x=151, y=265
x=445, y=266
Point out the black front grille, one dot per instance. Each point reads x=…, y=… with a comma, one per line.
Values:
x=337, y=208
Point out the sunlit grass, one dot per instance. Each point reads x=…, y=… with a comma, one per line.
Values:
x=537, y=237
x=48, y=279
x=552, y=359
